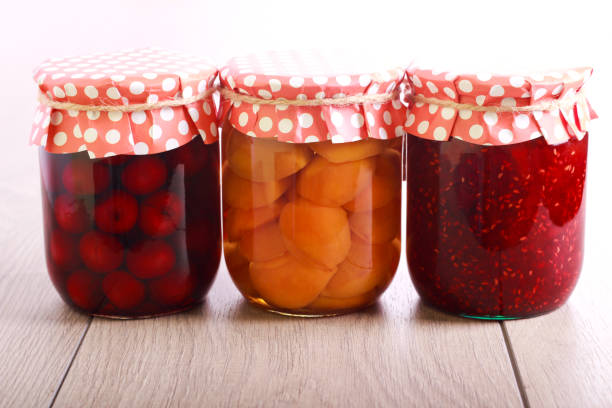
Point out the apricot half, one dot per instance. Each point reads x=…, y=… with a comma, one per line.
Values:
x=377, y=256
x=344, y=152
x=262, y=159
x=287, y=282
x=238, y=267
x=330, y=304
x=320, y=234
x=263, y=243
x=236, y=220
x=352, y=280
x=366, y=267
x=239, y=192
x=377, y=226
x=386, y=183
x=334, y=184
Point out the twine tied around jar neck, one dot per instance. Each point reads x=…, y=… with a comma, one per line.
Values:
x=133, y=107
x=552, y=105
x=339, y=101
x=567, y=102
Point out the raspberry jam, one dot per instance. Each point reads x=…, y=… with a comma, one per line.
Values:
x=495, y=232
x=132, y=236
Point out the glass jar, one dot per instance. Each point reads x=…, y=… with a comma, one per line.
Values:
x=135, y=232
x=311, y=221
x=495, y=224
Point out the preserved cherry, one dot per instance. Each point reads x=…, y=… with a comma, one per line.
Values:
x=132, y=236
x=495, y=231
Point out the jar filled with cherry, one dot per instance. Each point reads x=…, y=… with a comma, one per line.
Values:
x=134, y=234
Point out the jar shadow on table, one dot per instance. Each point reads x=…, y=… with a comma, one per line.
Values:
x=198, y=311
x=426, y=313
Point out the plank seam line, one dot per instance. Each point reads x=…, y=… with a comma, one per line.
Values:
x=70, y=362
x=517, y=373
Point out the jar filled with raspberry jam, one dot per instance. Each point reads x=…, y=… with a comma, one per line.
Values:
x=312, y=181
x=496, y=169
x=129, y=164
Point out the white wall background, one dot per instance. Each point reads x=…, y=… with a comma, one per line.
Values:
x=533, y=33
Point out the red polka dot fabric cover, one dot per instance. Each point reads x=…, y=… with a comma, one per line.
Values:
x=122, y=78
x=294, y=75
x=430, y=121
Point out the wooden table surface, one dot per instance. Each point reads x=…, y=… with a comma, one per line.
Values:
x=226, y=353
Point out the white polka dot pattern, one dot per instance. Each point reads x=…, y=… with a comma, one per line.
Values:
x=491, y=128
x=310, y=75
x=121, y=78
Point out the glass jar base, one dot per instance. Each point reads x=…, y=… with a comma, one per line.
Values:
x=143, y=316
x=487, y=317
x=262, y=304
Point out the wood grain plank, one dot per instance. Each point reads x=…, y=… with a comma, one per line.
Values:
x=565, y=358
x=38, y=332
x=227, y=353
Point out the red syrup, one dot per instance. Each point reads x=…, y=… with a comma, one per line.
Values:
x=132, y=236
x=495, y=232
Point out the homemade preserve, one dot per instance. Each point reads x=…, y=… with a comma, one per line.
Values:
x=131, y=200
x=496, y=199
x=311, y=193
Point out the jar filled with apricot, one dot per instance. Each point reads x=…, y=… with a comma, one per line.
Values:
x=130, y=182
x=496, y=169
x=311, y=174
